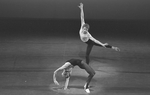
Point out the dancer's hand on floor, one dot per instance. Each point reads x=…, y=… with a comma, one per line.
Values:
x=65, y=88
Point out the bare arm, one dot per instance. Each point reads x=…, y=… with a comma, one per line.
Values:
x=66, y=83
x=55, y=72
x=82, y=14
x=96, y=41
x=54, y=77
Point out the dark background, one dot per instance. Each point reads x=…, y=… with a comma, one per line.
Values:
x=38, y=36
x=129, y=19
x=94, y=9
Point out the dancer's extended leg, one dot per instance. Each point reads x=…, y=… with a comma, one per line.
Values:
x=90, y=45
x=88, y=51
x=91, y=73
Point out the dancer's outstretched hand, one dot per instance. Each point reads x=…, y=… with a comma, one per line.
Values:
x=116, y=48
x=81, y=5
x=56, y=82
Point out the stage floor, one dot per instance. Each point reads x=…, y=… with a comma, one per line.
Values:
x=27, y=65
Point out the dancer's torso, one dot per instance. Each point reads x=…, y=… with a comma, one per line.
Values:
x=76, y=62
x=84, y=37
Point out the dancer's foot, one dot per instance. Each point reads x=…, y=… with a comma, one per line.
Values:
x=87, y=90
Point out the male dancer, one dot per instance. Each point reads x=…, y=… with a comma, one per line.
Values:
x=87, y=38
x=67, y=70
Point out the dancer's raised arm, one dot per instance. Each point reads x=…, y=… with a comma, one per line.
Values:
x=82, y=14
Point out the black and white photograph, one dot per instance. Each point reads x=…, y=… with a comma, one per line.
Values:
x=74, y=47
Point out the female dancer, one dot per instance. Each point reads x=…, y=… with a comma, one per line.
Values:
x=67, y=70
x=87, y=38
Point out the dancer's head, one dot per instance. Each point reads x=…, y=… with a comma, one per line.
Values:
x=67, y=69
x=66, y=73
x=86, y=26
